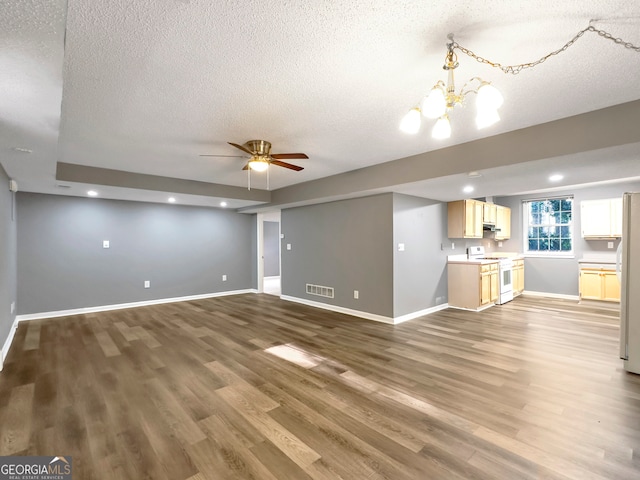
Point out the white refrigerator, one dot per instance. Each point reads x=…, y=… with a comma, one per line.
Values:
x=629, y=268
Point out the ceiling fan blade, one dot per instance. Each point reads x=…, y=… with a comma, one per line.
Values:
x=246, y=167
x=230, y=156
x=286, y=165
x=244, y=149
x=288, y=156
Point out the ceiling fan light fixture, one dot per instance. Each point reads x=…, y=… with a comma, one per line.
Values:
x=259, y=164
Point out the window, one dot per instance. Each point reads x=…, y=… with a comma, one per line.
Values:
x=548, y=226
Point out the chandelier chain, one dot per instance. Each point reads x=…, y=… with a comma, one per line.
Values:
x=515, y=69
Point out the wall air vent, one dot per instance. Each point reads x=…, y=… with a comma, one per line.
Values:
x=320, y=290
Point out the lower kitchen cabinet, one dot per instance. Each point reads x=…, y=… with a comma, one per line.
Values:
x=518, y=277
x=473, y=286
x=599, y=284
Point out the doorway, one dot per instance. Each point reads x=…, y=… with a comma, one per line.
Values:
x=269, y=253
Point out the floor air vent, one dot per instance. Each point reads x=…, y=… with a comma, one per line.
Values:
x=320, y=290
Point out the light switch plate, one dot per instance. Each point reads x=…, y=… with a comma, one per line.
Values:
x=105, y=244
x=401, y=247
x=147, y=283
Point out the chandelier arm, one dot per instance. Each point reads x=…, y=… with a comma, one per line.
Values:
x=464, y=92
x=515, y=69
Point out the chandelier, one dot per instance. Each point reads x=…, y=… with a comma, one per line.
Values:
x=443, y=98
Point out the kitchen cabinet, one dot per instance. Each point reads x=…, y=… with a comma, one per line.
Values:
x=495, y=282
x=489, y=213
x=473, y=286
x=465, y=219
x=503, y=223
x=518, y=277
x=599, y=284
x=601, y=218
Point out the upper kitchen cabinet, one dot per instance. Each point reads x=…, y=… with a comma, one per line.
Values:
x=503, y=223
x=601, y=218
x=465, y=219
x=489, y=213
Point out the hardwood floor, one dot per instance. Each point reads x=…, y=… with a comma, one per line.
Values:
x=251, y=386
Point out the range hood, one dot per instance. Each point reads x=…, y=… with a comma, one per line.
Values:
x=489, y=227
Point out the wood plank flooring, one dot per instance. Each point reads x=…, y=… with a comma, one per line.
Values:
x=253, y=387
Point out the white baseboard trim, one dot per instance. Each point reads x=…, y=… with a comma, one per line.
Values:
x=551, y=295
x=120, y=306
x=489, y=305
x=7, y=343
x=420, y=313
x=365, y=315
x=336, y=308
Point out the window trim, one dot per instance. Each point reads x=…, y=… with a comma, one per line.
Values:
x=525, y=230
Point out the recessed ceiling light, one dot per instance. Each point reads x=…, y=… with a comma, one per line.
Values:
x=556, y=177
x=223, y=204
x=474, y=174
x=468, y=189
x=92, y=193
x=172, y=200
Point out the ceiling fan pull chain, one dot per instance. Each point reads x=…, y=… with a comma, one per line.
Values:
x=249, y=175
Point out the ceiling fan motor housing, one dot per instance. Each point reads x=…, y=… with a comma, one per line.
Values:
x=258, y=147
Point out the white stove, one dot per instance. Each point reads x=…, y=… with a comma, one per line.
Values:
x=505, y=266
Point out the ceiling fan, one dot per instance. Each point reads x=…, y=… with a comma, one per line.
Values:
x=260, y=156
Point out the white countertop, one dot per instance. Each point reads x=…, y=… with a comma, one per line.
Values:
x=609, y=259
x=464, y=259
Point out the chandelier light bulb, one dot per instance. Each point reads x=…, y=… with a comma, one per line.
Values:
x=434, y=105
x=411, y=122
x=442, y=128
x=489, y=97
x=487, y=117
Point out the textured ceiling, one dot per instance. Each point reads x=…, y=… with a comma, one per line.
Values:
x=148, y=86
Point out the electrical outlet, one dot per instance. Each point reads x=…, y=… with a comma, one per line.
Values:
x=439, y=300
x=499, y=244
x=288, y=246
x=282, y=235
x=453, y=246
x=356, y=294
x=609, y=244
x=224, y=278
x=147, y=284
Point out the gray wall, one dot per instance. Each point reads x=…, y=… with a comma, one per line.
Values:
x=181, y=250
x=347, y=245
x=7, y=257
x=560, y=275
x=420, y=271
x=271, y=233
